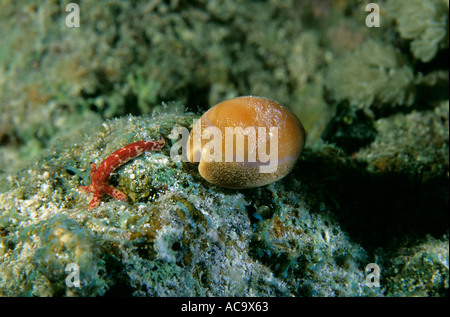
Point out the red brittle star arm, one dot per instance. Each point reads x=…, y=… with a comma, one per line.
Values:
x=100, y=175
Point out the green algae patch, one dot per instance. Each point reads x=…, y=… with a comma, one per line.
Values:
x=374, y=75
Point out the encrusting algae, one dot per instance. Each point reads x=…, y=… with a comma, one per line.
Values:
x=100, y=175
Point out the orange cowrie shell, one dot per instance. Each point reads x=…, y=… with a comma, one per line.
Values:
x=246, y=142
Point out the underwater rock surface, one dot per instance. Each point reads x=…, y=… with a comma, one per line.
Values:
x=178, y=235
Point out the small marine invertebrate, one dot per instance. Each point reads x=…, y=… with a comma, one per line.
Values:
x=235, y=163
x=99, y=176
x=372, y=76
